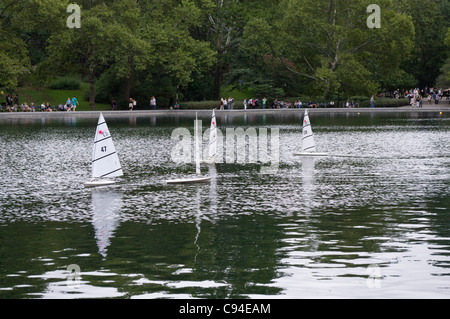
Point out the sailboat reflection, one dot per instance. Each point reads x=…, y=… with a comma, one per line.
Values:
x=308, y=200
x=309, y=187
x=199, y=215
x=213, y=197
x=107, y=204
x=198, y=221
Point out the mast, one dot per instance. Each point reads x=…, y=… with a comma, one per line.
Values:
x=197, y=147
x=213, y=137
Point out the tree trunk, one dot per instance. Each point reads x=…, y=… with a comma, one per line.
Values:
x=92, y=89
x=127, y=88
x=127, y=83
x=217, y=80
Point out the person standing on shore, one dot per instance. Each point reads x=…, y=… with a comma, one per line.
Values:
x=74, y=103
x=113, y=105
x=231, y=103
x=153, y=103
x=264, y=102
x=8, y=101
x=372, y=102
x=130, y=104
x=245, y=104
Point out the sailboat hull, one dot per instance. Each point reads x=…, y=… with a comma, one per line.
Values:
x=195, y=180
x=310, y=154
x=208, y=162
x=98, y=183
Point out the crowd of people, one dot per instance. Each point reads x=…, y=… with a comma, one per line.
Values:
x=132, y=104
x=227, y=104
x=12, y=104
x=254, y=103
x=417, y=97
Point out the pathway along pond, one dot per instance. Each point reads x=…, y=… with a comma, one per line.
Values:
x=373, y=224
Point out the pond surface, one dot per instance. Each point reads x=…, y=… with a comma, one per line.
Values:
x=370, y=221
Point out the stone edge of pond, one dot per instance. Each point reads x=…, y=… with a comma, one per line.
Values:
x=146, y=113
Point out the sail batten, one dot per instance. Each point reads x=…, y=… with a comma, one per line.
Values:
x=108, y=174
x=106, y=138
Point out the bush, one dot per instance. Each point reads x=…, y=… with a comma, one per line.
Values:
x=65, y=84
x=387, y=103
x=359, y=98
x=201, y=105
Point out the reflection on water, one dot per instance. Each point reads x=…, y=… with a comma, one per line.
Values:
x=317, y=228
x=106, y=204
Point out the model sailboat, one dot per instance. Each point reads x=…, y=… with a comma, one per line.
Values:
x=198, y=178
x=212, y=141
x=308, y=145
x=105, y=161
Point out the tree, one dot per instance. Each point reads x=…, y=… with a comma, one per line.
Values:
x=168, y=27
x=346, y=53
x=108, y=36
x=15, y=20
x=222, y=30
x=132, y=40
x=430, y=19
x=329, y=44
x=13, y=60
x=443, y=81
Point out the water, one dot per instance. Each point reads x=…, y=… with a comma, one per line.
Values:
x=372, y=224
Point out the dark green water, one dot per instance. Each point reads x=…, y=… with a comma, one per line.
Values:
x=372, y=224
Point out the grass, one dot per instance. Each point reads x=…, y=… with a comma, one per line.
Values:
x=236, y=93
x=55, y=97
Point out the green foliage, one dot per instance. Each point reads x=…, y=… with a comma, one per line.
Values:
x=430, y=19
x=65, y=84
x=191, y=49
x=444, y=79
x=200, y=105
x=386, y=103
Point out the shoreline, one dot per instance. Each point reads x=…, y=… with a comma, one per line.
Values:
x=444, y=107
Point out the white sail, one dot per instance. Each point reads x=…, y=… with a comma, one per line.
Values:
x=308, y=145
x=213, y=137
x=197, y=146
x=105, y=161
